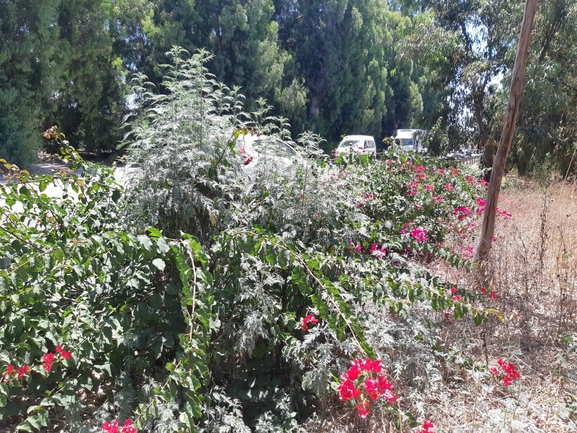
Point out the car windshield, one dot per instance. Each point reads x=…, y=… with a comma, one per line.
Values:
x=351, y=143
x=407, y=142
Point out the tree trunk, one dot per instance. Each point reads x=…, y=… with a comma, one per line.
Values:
x=498, y=170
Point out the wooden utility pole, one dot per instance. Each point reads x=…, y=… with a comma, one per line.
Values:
x=498, y=170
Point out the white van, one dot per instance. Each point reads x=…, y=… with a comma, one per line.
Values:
x=359, y=144
x=410, y=140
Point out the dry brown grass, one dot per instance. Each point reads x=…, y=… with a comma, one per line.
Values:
x=533, y=269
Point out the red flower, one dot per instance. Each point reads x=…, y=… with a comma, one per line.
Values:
x=364, y=409
x=128, y=428
x=8, y=373
x=493, y=295
x=310, y=319
x=372, y=387
x=58, y=348
x=391, y=398
x=353, y=372
x=66, y=355
x=47, y=360
x=509, y=369
x=347, y=390
x=22, y=371
x=384, y=385
x=111, y=427
x=427, y=426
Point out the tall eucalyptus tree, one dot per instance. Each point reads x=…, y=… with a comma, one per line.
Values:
x=28, y=67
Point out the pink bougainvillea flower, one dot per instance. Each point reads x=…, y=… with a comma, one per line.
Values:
x=111, y=427
x=440, y=171
x=389, y=396
x=492, y=295
x=8, y=373
x=371, y=366
x=372, y=387
x=419, y=168
x=449, y=187
x=309, y=320
x=483, y=290
x=429, y=187
x=508, y=372
x=60, y=350
x=22, y=371
x=384, y=385
x=364, y=409
x=47, y=360
x=347, y=390
x=128, y=427
x=427, y=427
x=353, y=373
x=419, y=234
x=457, y=298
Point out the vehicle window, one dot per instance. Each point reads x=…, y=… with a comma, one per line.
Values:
x=351, y=143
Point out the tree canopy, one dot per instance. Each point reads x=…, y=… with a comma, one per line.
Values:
x=334, y=67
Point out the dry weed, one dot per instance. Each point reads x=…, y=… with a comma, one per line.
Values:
x=533, y=270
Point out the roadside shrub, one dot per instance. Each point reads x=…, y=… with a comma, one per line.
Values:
x=212, y=295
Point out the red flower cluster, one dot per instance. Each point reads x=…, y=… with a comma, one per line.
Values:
x=48, y=358
x=112, y=427
x=374, y=384
x=309, y=320
x=491, y=295
x=428, y=427
x=455, y=298
x=509, y=372
x=10, y=370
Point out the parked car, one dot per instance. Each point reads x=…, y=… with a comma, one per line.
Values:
x=358, y=145
x=254, y=148
x=410, y=140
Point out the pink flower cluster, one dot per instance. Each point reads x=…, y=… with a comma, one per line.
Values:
x=48, y=358
x=12, y=372
x=462, y=212
x=112, y=427
x=428, y=427
x=365, y=377
x=375, y=249
x=481, y=203
x=309, y=320
x=419, y=234
x=508, y=372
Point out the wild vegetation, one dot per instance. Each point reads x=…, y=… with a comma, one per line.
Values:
x=198, y=293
